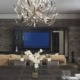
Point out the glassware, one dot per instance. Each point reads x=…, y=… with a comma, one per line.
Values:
x=77, y=75
x=73, y=78
x=63, y=75
x=66, y=74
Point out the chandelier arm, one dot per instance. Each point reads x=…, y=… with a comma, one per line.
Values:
x=27, y=7
x=18, y=2
x=29, y=19
x=48, y=7
x=16, y=10
x=51, y=22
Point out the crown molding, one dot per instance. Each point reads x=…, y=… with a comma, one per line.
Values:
x=60, y=16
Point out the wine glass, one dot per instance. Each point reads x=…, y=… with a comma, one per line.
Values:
x=68, y=73
x=65, y=74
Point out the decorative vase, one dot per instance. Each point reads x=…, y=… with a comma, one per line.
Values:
x=35, y=74
x=21, y=57
x=49, y=59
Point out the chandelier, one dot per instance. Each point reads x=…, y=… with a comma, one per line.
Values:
x=33, y=12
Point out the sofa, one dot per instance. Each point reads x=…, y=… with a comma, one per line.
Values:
x=5, y=59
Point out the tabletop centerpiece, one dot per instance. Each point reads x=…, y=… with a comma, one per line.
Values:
x=35, y=58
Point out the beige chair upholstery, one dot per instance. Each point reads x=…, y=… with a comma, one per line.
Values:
x=14, y=57
x=57, y=57
x=60, y=58
x=4, y=59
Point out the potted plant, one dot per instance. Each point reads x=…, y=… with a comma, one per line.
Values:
x=21, y=57
x=48, y=57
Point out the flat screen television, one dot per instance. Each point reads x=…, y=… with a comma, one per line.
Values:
x=35, y=40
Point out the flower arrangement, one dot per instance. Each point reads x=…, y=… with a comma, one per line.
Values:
x=35, y=58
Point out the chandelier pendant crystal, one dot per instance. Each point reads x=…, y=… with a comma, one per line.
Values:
x=33, y=12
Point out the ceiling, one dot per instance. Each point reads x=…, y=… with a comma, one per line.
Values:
x=63, y=6
x=67, y=9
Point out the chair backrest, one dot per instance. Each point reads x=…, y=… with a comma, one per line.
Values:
x=43, y=63
x=52, y=63
x=19, y=63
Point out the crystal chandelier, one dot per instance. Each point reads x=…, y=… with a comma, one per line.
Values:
x=33, y=12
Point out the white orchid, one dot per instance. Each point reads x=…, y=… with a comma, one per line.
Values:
x=36, y=65
x=34, y=57
x=41, y=50
x=28, y=52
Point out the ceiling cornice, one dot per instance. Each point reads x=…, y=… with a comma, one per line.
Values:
x=60, y=16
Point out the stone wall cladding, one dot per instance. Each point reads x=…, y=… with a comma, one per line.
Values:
x=74, y=33
x=74, y=41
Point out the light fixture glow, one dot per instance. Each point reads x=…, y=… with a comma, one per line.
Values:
x=33, y=12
